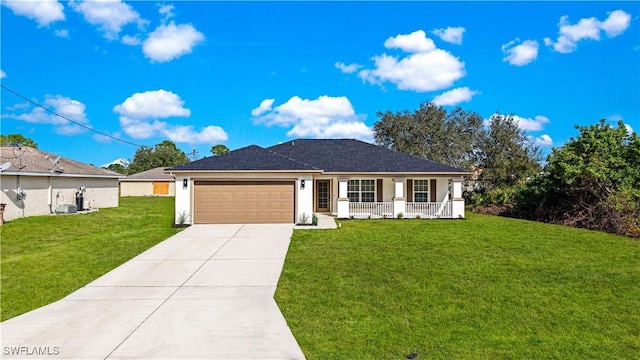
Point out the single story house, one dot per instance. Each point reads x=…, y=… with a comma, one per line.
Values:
x=154, y=182
x=288, y=182
x=35, y=182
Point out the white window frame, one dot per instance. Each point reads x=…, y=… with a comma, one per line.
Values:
x=354, y=187
x=426, y=192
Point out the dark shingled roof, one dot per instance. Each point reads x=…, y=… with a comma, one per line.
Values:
x=348, y=155
x=248, y=158
x=329, y=155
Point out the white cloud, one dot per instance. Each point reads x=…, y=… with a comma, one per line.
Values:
x=265, y=106
x=425, y=69
x=588, y=28
x=543, y=140
x=186, y=134
x=166, y=10
x=529, y=124
x=629, y=129
x=416, y=42
x=140, y=112
x=455, y=96
x=63, y=33
x=3, y=74
x=43, y=12
x=65, y=106
x=119, y=161
x=152, y=104
x=324, y=117
x=131, y=40
x=168, y=42
x=347, y=69
x=521, y=54
x=109, y=15
x=451, y=34
x=616, y=23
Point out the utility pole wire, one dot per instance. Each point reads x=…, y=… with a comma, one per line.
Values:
x=66, y=118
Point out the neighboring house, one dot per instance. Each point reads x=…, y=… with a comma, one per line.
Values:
x=154, y=182
x=289, y=182
x=37, y=182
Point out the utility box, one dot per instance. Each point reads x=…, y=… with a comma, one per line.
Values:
x=66, y=209
x=79, y=202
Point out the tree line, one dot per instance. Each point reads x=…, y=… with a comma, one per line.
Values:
x=592, y=181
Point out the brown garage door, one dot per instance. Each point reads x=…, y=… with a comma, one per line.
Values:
x=248, y=202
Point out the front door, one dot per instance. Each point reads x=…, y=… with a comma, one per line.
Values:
x=322, y=196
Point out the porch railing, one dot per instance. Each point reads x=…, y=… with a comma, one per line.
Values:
x=429, y=210
x=371, y=210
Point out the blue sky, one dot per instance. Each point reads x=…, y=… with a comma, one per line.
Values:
x=241, y=73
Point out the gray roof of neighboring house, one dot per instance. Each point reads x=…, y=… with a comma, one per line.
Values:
x=328, y=155
x=153, y=174
x=30, y=161
x=247, y=158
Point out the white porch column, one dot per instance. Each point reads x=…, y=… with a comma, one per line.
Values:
x=343, y=200
x=457, y=202
x=183, y=200
x=399, y=201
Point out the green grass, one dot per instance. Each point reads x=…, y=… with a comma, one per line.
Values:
x=482, y=288
x=44, y=258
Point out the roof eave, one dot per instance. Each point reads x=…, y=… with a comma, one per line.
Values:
x=28, y=173
x=244, y=171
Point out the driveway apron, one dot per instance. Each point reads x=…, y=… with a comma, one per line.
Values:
x=205, y=293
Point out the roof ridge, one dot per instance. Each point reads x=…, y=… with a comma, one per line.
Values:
x=291, y=159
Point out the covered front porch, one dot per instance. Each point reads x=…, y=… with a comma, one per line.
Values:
x=386, y=198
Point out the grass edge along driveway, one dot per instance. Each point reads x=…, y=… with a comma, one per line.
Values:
x=482, y=288
x=45, y=258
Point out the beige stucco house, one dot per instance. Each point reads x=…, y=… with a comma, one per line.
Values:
x=154, y=182
x=38, y=182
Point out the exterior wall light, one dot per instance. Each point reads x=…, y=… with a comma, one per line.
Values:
x=302, y=184
x=185, y=183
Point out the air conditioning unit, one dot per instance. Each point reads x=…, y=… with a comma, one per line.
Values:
x=66, y=209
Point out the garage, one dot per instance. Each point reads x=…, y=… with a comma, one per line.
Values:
x=243, y=202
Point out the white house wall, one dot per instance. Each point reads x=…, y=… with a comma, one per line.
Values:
x=183, y=199
x=40, y=200
x=304, y=197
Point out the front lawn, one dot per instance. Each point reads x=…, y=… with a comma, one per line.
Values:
x=482, y=288
x=45, y=258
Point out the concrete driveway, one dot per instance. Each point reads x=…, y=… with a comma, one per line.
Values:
x=205, y=293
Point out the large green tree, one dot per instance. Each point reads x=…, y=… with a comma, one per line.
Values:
x=592, y=181
x=219, y=149
x=431, y=132
x=507, y=154
x=119, y=168
x=17, y=139
x=164, y=154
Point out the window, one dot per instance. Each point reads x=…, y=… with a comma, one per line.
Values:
x=421, y=190
x=361, y=190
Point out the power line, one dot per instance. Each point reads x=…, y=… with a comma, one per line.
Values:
x=66, y=118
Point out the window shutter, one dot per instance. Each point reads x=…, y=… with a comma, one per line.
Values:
x=379, y=190
x=432, y=190
x=410, y=190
